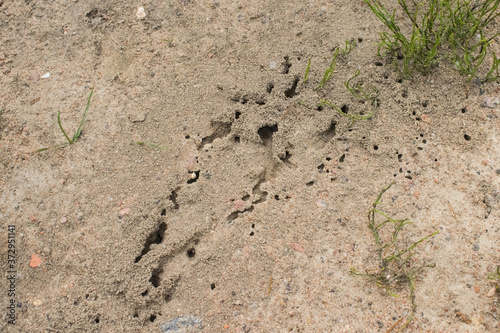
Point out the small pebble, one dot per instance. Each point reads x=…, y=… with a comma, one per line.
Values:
x=63, y=219
x=34, y=77
x=191, y=164
x=273, y=65
x=490, y=102
x=141, y=13
x=475, y=247
x=239, y=205
x=321, y=204
x=124, y=212
x=492, y=292
x=45, y=76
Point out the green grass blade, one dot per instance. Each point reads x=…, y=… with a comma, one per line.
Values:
x=60, y=126
x=145, y=143
x=79, y=130
x=307, y=70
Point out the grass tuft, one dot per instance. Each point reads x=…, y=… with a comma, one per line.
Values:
x=78, y=132
x=451, y=30
x=361, y=92
x=349, y=46
x=396, y=261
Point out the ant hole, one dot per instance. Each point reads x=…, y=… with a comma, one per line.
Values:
x=187, y=137
x=399, y=80
x=424, y=104
x=270, y=87
x=320, y=108
x=386, y=76
x=96, y=321
x=467, y=137
x=344, y=109
x=191, y=253
x=328, y=158
x=152, y=318
x=237, y=114
x=378, y=63
x=375, y=147
x=360, y=40
x=212, y=286
x=276, y=197
x=237, y=139
x=464, y=110
x=163, y=212
x=135, y=315
x=252, y=233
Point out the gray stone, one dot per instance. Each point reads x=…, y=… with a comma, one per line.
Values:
x=490, y=102
x=182, y=325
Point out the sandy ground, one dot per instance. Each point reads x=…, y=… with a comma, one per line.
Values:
x=253, y=214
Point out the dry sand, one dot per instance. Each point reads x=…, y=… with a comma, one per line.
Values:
x=252, y=216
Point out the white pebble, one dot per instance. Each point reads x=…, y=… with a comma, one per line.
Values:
x=45, y=76
x=141, y=13
x=273, y=64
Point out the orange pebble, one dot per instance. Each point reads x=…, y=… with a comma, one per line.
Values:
x=35, y=260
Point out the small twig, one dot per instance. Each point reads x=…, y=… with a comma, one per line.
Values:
x=452, y=211
x=270, y=285
x=290, y=107
x=394, y=326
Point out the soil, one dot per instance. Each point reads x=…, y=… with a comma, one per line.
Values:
x=251, y=208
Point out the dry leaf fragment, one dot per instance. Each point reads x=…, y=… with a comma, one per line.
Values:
x=463, y=317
